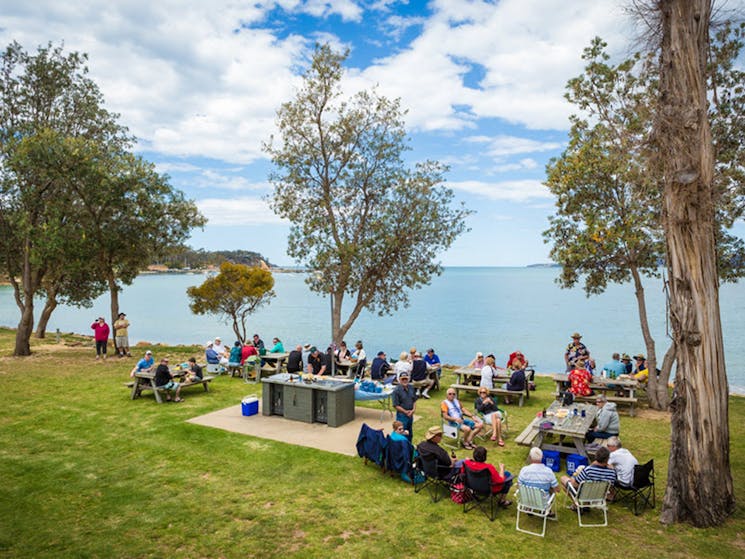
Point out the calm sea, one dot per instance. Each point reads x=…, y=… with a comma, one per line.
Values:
x=463, y=311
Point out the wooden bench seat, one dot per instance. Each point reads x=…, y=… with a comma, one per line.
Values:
x=517, y=394
x=138, y=387
x=621, y=400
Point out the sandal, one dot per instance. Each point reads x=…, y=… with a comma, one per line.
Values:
x=501, y=442
x=178, y=400
x=468, y=446
x=494, y=438
x=505, y=503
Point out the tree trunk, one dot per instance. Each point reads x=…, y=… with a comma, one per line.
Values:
x=46, y=314
x=699, y=485
x=25, y=329
x=114, y=307
x=652, y=392
x=664, y=377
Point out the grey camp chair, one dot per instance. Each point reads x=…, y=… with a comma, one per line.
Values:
x=536, y=502
x=590, y=495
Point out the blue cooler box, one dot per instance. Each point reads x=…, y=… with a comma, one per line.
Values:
x=250, y=405
x=574, y=461
x=552, y=459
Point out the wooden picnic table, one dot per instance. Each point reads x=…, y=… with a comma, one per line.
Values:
x=273, y=364
x=145, y=380
x=468, y=374
x=570, y=429
x=602, y=385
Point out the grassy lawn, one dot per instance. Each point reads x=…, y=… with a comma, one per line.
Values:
x=89, y=473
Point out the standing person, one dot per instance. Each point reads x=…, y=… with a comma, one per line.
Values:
x=305, y=355
x=404, y=401
x=295, y=360
x=121, y=335
x=487, y=373
x=316, y=362
x=575, y=351
x=101, y=335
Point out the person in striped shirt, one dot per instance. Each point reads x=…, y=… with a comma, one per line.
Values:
x=599, y=470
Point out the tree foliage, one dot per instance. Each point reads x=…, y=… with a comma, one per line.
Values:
x=235, y=293
x=365, y=223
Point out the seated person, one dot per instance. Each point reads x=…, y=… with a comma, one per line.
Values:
x=487, y=406
x=220, y=348
x=399, y=433
x=579, y=380
x=360, y=359
x=380, y=367
x=213, y=357
x=501, y=480
x=235, y=354
x=622, y=460
x=143, y=365
x=430, y=448
x=599, y=470
x=295, y=360
x=457, y=416
x=517, y=380
x=259, y=344
x=164, y=379
x=247, y=351
x=343, y=353
x=607, y=421
x=316, y=362
x=433, y=362
x=614, y=368
x=195, y=371
x=402, y=365
x=278, y=346
x=517, y=361
x=420, y=376
x=537, y=474
x=477, y=362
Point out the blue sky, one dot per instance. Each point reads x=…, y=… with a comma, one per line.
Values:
x=199, y=83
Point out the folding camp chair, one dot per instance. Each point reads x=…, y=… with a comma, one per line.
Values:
x=371, y=445
x=640, y=494
x=590, y=495
x=534, y=501
x=399, y=457
x=433, y=475
x=451, y=435
x=478, y=486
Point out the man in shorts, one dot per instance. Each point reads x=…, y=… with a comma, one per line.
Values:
x=458, y=416
x=164, y=380
x=121, y=335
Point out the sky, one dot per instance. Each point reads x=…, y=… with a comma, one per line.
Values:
x=199, y=83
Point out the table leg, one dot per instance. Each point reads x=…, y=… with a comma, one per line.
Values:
x=136, y=388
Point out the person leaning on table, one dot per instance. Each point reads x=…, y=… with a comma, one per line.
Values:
x=144, y=364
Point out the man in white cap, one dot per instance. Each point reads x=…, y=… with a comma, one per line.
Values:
x=220, y=348
x=144, y=364
x=212, y=357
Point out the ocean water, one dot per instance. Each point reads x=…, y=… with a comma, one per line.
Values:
x=493, y=310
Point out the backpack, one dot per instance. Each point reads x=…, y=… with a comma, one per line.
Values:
x=566, y=398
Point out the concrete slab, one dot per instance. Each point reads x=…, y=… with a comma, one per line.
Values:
x=341, y=440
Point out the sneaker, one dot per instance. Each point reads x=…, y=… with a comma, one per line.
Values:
x=425, y=395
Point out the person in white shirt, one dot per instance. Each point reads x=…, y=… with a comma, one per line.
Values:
x=487, y=373
x=622, y=460
x=220, y=348
x=402, y=365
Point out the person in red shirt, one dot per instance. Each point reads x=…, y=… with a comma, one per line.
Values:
x=101, y=335
x=247, y=351
x=501, y=480
x=579, y=380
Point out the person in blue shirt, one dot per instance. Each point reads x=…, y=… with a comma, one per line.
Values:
x=433, y=361
x=278, y=346
x=144, y=364
x=615, y=367
x=211, y=355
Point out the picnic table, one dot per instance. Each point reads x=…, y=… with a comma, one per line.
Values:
x=618, y=390
x=467, y=375
x=273, y=364
x=570, y=428
x=145, y=380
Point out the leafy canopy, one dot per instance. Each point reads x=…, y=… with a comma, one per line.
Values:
x=235, y=293
x=363, y=222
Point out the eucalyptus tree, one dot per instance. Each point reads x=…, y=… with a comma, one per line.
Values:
x=608, y=223
x=685, y=156
x=48, y=106
x=364, y=223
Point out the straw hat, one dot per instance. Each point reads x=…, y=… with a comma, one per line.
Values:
x=432, y=432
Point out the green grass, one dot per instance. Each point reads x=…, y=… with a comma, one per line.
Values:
x=89, y=473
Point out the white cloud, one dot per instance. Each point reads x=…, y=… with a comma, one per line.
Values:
x=502, y=146
x=237, y=211
x=514, y=191
x=523, y=164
